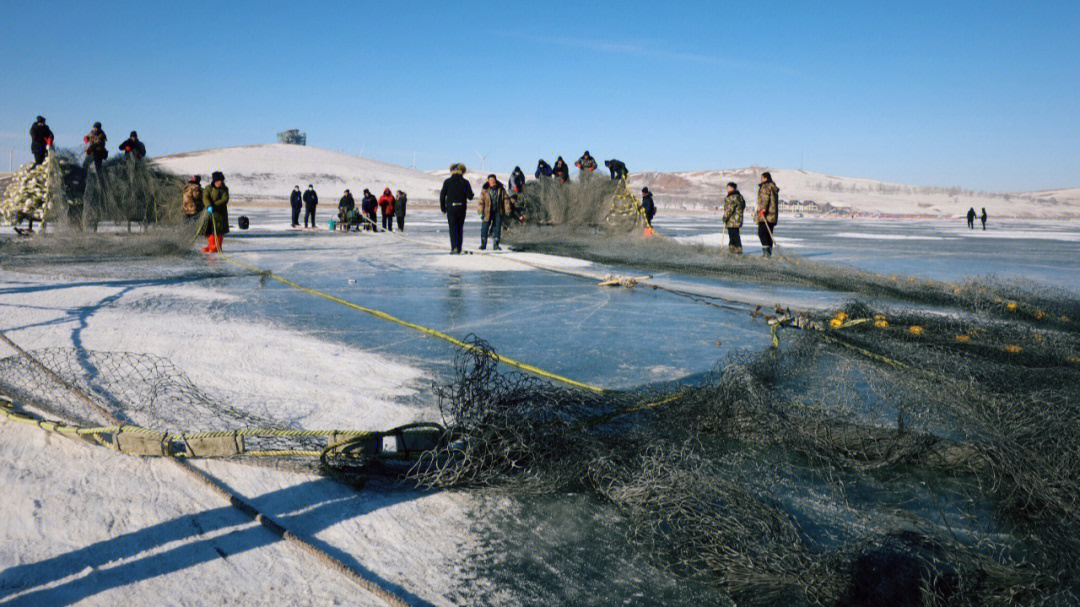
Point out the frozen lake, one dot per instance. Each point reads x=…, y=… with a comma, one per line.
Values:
x=310, y=362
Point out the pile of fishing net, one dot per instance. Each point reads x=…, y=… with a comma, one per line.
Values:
x=589, y=203
x=877, y=456
x=128, y=209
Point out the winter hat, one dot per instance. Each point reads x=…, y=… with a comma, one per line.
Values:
x=347, y=192
x=310, y=186
x=217, y=176
x=41, y=119
x=458, y=168
x=195, y=179
x=645, y=190
x=296, y=187
x=731, y=184
x=97, y=125
x=134, y=134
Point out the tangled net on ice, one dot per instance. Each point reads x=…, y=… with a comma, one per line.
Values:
x=865, y=464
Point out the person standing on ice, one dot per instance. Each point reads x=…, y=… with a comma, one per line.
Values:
x=560, y=170
x=494, y=202
x=768, y=207
x=311, y=201
x=455, y=195
x=982, y=218
x=96, y=151
x=618, y=169
x=41, y=139
x=193, y=193
x=216, y=201
x=971, y=218
x=386, y=204
x=399, y=209
x=734, y=205
x=296, y=201
x=647, y=205
x=133, y=147
x=517, y=180
x=543, y=169
x=370, y=207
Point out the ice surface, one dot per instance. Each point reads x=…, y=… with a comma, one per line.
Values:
x=86, y=525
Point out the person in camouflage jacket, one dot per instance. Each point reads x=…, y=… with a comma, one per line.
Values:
x=734, y=205
x=494, y=203
x=193, y=192
x=768, y=205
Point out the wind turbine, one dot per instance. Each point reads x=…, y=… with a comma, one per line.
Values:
x=483, y=160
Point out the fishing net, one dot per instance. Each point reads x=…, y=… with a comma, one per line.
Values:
x=591, y=203
x=874, y=457
x=129, y=209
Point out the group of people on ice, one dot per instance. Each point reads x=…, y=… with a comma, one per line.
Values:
x=41, y=141
x=349, y=217
x=211, y=201
x=494, y=204
x=971, y=218
x=768, y=207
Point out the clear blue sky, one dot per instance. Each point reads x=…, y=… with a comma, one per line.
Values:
x=984, y=95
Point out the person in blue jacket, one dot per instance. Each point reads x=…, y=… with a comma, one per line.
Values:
x=543, y=169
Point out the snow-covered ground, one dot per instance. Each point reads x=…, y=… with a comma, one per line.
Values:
x=269, y=172
x=85, y=525
x=858, y=195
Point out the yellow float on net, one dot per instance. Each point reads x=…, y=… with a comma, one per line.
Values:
x=915, y=330
x=1013, y=349
x=881, y=324
x=1011, y=306
x=841, y=316
x=963, y=338
x=836, y=323
x=1039, y=315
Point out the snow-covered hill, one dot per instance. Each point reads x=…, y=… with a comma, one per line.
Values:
x=705, y=189
x=269, y=172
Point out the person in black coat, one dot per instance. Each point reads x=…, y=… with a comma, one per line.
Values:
x=133, y=147
x=311, y=200
x=647, y=204
x=561, y=171
x=517, y=180
x=453, y=199
x=296, y=201
x=617, y=168
x=346, y=204
x=543, y=169
x=370, y=207
x=41, y=138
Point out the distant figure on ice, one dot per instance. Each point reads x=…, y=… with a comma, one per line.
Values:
x=133, y=147
x=617, y=168
x=982, y=218
x=346, y=209
x=560, y=170
x=95, y=148
x=455, y=195
x=41, y=139
x=386, y=203
x=311, y=201
x=517, y=180
x=647, y=205
x=768, y=207
x=193, y=204
x=734, y=205
x=543, y=169
x=587, y=164
x=216, y=201
x=369, y=206
x=494, y=202
x=971, y=218
x=399, y=209
x=296, y=201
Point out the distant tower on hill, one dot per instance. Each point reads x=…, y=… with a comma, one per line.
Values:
x=292, y=136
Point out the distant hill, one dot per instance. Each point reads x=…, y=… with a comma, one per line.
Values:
x=269, y=172
x=705, y=189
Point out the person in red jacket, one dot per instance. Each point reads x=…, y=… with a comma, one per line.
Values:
x=386, y=203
